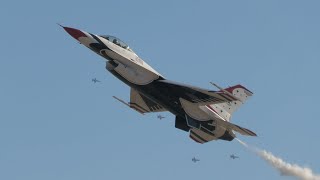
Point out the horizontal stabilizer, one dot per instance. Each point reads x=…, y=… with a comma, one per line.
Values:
x=234, y=127
x=243, y=131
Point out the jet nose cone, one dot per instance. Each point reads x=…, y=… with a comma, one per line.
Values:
x=75, y=33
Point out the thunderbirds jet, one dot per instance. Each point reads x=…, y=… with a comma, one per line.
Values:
x=204, y=113
x=232, y=156
x=95, y=80
x=195, y=159
x=160, y=117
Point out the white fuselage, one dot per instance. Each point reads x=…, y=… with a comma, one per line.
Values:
x=130, y=65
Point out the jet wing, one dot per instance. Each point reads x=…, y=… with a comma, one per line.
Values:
x=143, y=104
x=194, y=94
x=203, y=135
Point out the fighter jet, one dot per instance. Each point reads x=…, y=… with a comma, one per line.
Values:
x=205, y=114
x=232, y=156
x=94, y=80
x=195, y=159
x=160, y=117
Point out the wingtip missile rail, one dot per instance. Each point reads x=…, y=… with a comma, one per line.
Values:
x=127, y=104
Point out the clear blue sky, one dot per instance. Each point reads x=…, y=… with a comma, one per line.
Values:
x=56, y=124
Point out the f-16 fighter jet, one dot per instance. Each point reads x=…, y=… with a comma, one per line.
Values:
x=95, y=80
x=195, y=159
x=204, y=113
x=232, y=156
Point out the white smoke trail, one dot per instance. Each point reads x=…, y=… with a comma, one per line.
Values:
x=285, y=168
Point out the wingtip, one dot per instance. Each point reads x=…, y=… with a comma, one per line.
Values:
x=251, y=133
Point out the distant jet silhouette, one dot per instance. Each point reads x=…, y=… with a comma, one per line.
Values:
x=232, y=156
x=195, y=159
x=95, y=80
x=160, y=117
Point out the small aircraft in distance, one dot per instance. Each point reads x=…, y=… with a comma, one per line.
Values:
x=160, y=117
x=95, y=80
x=232, y=156
x=195, y=159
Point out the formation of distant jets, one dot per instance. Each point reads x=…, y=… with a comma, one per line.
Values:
x=232, y=156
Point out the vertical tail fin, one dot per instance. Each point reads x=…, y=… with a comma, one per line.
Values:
x=225, y=110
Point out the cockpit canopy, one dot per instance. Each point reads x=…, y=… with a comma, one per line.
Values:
x=116, y=41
